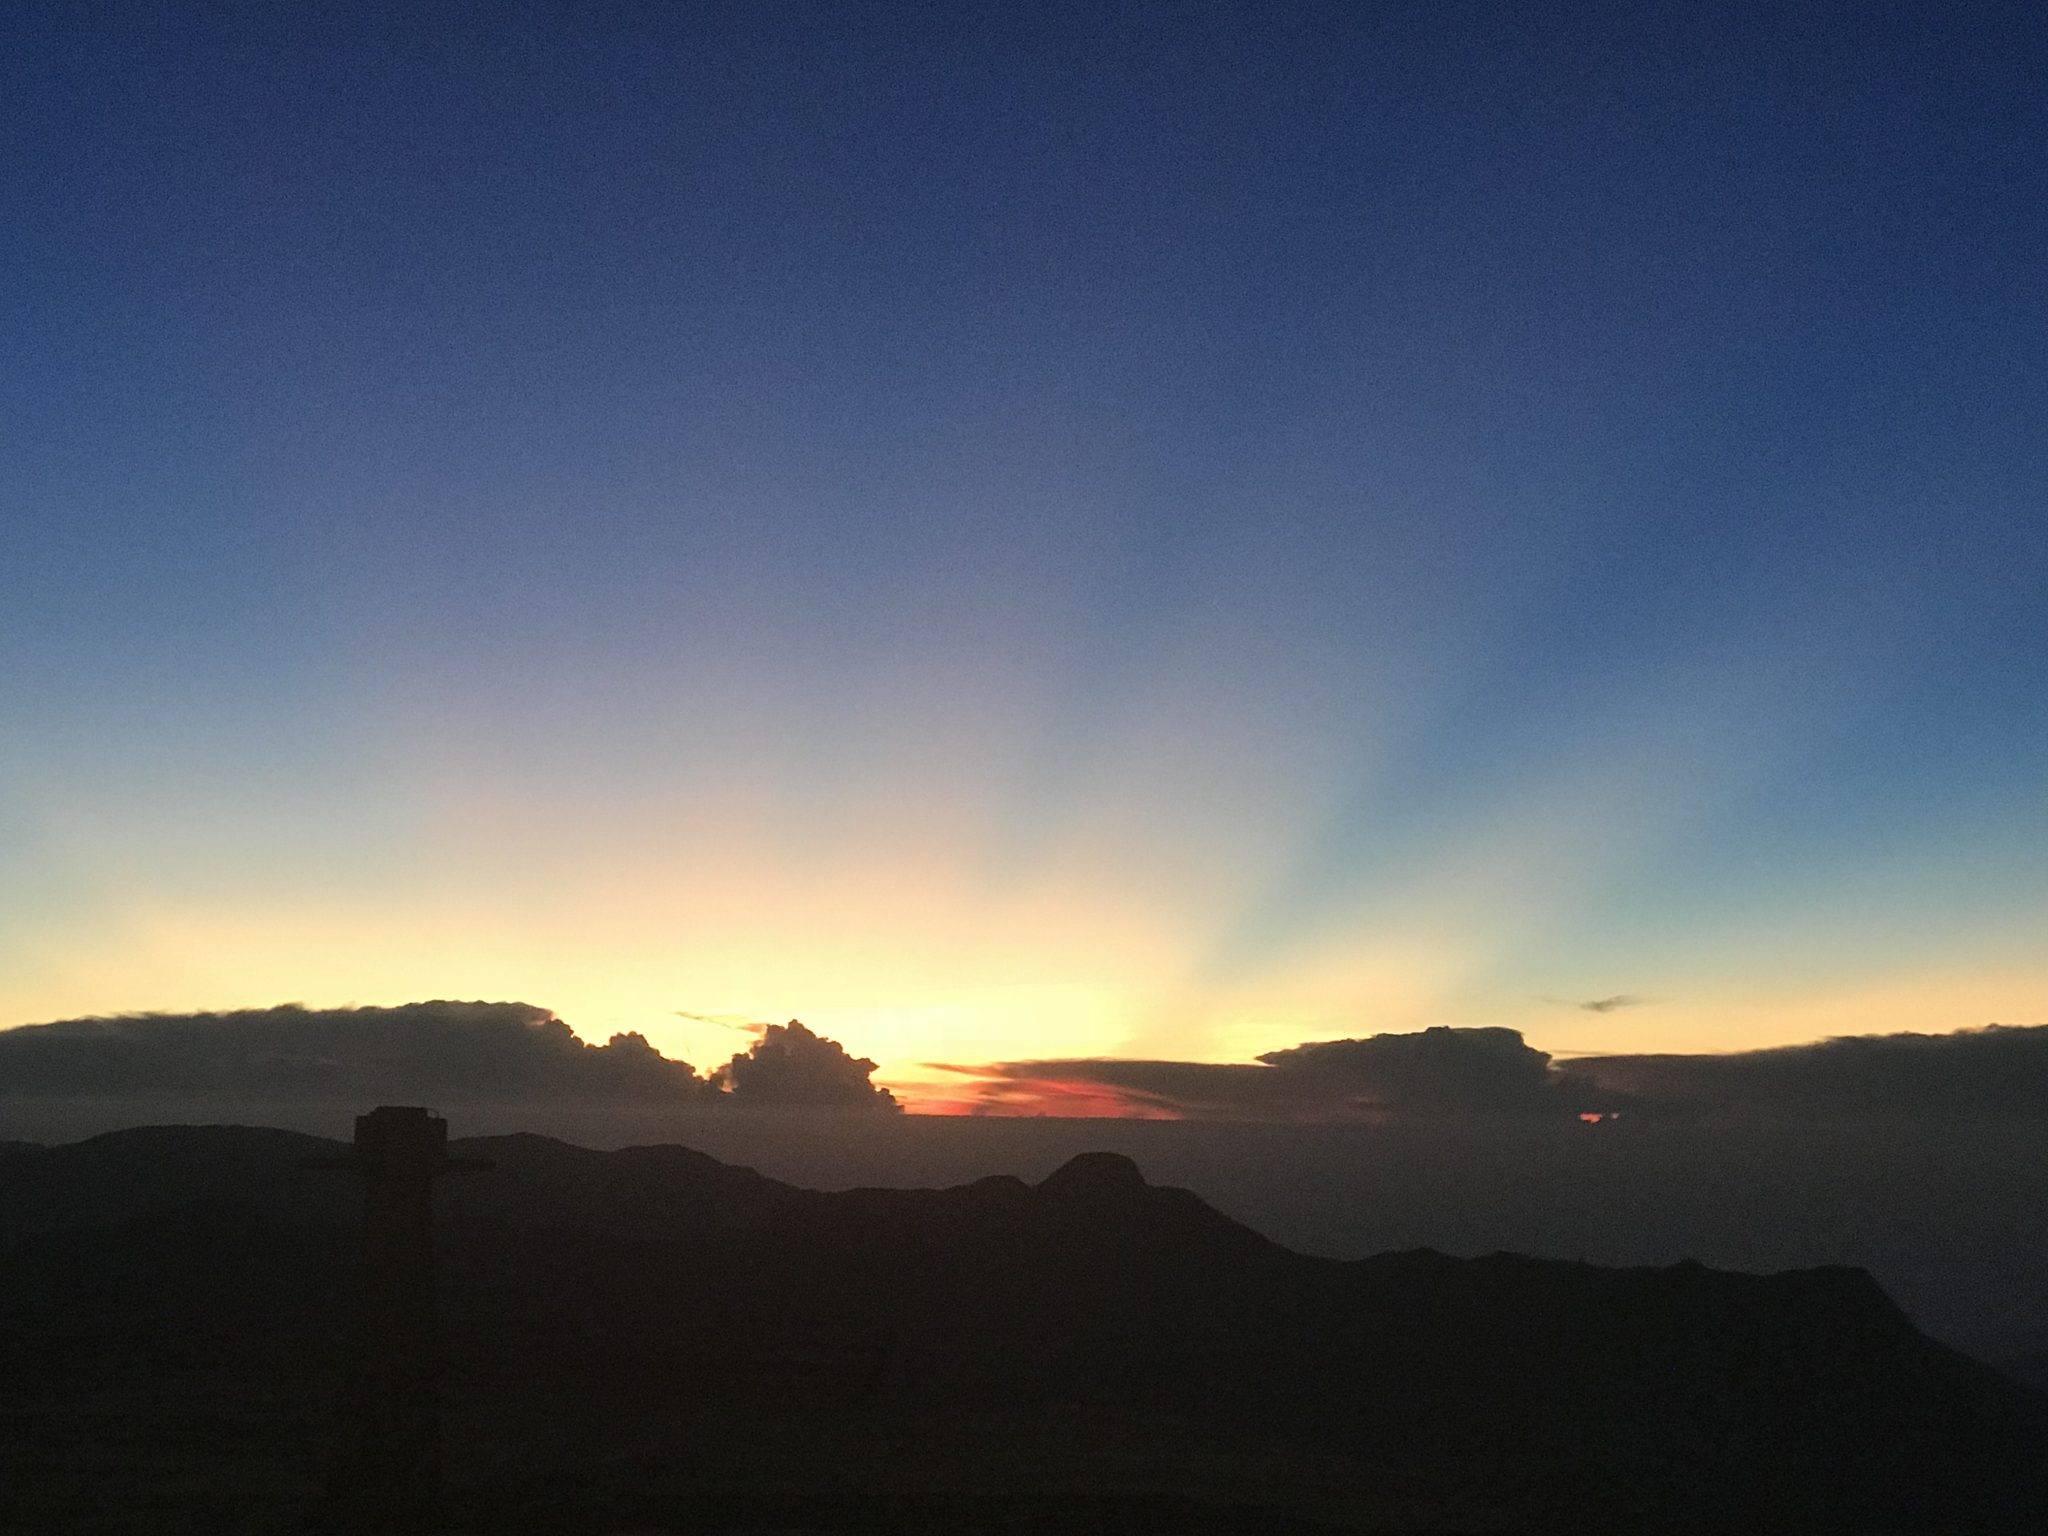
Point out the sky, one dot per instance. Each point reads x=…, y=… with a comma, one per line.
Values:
x=1029, y=532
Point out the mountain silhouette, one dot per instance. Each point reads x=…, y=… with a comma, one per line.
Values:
x=651, y=1339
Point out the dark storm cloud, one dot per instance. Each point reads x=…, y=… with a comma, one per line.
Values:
x=1996, y=1070
x=789, y=1065
x=1448, y=1073
x=433, y=1051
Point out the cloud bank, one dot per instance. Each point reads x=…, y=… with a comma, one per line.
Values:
x=1446, y=1073
x=1436, y=1071
x=1996, y=1070
x=456, y=1052
x=440, y=1052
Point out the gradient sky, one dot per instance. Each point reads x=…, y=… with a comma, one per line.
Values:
x=1029, y=530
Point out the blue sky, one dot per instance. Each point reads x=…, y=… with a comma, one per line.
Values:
x=1171, y=529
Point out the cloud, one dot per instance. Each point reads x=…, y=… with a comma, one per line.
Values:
x=1439, y=1071
x=789, y=1065
x=438, y=1052
x=1995, y=1070
x=1446, y=1073
x=1444, y=1069
x=737, y=1021
x=1602, y=1004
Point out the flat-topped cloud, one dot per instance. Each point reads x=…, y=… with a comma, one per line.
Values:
x=1996, y=1070
x=1494, y=1073
x=1435, y=1071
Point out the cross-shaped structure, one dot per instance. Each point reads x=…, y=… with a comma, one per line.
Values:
x=387, y=1477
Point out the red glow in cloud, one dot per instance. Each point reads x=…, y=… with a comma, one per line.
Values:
x=1050, y=1097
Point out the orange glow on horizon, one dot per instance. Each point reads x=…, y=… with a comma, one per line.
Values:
x=910, y=931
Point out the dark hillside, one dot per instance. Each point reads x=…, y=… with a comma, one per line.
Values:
x=653, y=1336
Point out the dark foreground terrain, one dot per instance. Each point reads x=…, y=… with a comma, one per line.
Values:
x=650, y=1340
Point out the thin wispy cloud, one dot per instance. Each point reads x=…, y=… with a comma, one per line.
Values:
x=1611, y=1004
x=735, y=1021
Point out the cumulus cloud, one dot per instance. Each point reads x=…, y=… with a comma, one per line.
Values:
x=789, y=1065
x=1446, y=1073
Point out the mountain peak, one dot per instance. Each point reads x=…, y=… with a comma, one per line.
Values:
x=1094, y=1174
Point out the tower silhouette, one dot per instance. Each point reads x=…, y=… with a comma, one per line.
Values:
x=386, y=1475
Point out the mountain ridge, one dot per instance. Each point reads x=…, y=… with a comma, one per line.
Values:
x=666, y=1294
